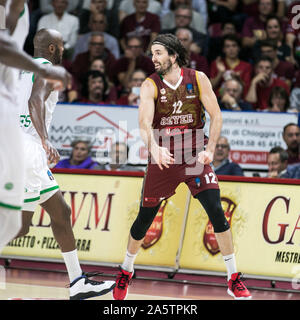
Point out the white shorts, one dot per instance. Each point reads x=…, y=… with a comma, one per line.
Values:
x=12, y=165
x=40, y=184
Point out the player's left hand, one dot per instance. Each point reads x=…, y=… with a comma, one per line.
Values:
x=205, y=157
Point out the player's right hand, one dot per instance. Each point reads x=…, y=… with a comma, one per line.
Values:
x=52, y=154
x=57, y=75
x=162, y=157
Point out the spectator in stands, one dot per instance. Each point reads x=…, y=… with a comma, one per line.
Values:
x=254, y=26
x=282, y=69
x=221, y=163
x=295, y=95
x=278, y=100
x=97, y=23
x=220, y=11
x=292, y=171
x=231, y=96
x=197, y=21
x=291, y=136
x=142, y=24
x=262, y=84
x=111, y=92
x=216, y=41
x=95, y=7
x=94, y=88
x=60, y=20
x=183, y=19
x=80, y=157
x=133, y=59
x=132, y=96
x=292, y=33
x=126, y=8
x=277, y=162
x=196, y=61
x=97, y=49
x=224, y=68
x=46, y=6
x=274, y=32
x=119, y=157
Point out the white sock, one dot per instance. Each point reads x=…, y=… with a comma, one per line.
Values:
x=72, y=264
x=128, y=262
x=230, y=265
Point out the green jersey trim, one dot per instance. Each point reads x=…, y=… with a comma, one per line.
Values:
x=9, y=206
x=49, y=189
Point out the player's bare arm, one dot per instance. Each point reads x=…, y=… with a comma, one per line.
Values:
x=36, y=105
x=12, y=56
x=161, y=155
x=210, y=103
x=15, y=9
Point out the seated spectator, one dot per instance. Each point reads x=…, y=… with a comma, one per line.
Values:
x=97, y=23
x=197, y=22
x=278, y=100
x=60, y=20
x=95, y=7
x=133, y=59
x=224, y=68
x=284, y=70
x=112, y=91
x=80, y=157
x=254, y=26
x=132, y=97
x=292, y=172
x=46, y=7
x=262, y=84
x=196, y=61
x=216, y=42
x=94, y=88
x=277, y=162
x=291, y=136
x=183, y=19
x=119, y=157
x=274, y=32
x=126, y=8
x=221, y=163
x=295, y=95
x=231, y=96
x=97, y=49
x=142, y=24
x=219, y=11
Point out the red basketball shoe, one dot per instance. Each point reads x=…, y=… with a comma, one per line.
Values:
x=236, y=288
x=123, y=281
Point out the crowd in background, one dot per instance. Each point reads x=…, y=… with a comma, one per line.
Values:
x=249, y=49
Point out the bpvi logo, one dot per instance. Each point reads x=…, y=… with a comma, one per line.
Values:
x=2, y=278
x=295, y=22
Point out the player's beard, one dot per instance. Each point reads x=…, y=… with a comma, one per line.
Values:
x=165, y=69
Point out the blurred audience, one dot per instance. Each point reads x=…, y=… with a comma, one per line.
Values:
x=262, y=84
x=278, y=100
x=231, y=94
x=80, y=157
x=60, y=20
x=118, y=159
x=141, y=23
x=221, y=163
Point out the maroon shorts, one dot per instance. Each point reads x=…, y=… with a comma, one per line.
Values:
x=161, y=184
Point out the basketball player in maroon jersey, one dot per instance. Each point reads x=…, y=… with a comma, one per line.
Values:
x=171, y=114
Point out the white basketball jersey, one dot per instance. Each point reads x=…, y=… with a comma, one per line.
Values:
x=26, y=83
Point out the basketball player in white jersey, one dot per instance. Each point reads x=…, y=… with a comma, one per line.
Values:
x=11, y=141
x=39, y=102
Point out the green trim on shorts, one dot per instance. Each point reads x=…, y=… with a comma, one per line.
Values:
x=49, y=189
x=32, y=199
x=9, y=206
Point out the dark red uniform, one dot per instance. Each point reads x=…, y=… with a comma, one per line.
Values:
x=178, y=122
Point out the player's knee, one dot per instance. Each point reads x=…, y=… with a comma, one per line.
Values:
x=143, y=222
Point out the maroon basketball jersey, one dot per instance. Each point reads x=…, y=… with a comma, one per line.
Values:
x=178, y=109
